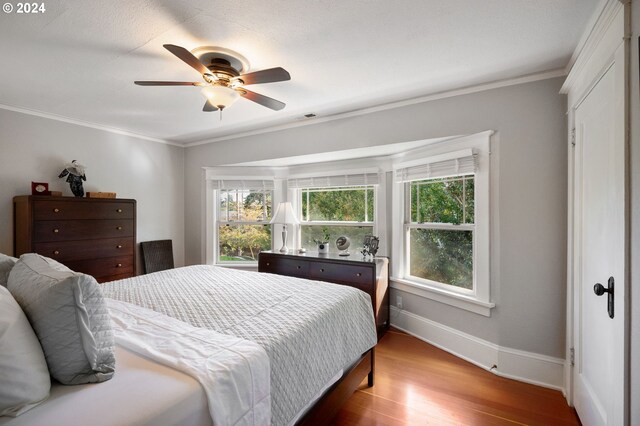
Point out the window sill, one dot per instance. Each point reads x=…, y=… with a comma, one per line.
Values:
x=450, y=298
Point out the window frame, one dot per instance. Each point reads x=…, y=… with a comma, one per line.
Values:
x=209, y=192
x=339, y=188
x=297, y=197
x=477, y=300
x=218, y=222
x=409, y=225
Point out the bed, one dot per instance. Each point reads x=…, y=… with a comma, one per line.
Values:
x=142, y=392
x=303, y=345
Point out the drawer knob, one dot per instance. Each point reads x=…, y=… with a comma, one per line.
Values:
x=119, y=228
x=55, y=231
x=268, y=264
x=321, y=269
x=56, y=210
x=119, y=210
x=56, y=252
x=298, y=266
x=358, y=274
x=119, y=265
x=119, y=246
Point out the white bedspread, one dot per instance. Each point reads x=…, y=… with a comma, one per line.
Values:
x=233, y=372
x=141, y=393
x=309, y=329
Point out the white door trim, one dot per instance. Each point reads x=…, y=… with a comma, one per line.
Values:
x=610, y=31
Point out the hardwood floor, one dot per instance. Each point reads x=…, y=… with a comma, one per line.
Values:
x=419, y=384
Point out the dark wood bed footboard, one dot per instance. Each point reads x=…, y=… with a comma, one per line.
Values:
x=325, y=409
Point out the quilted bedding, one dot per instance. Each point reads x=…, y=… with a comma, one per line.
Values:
x=233, y=372
x=310, y=330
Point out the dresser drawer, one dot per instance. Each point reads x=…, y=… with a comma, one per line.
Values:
x=68, y=210
x=86, y=249
x=121, y=265
x=357, y=276
x=53, y=230
x=296, y=268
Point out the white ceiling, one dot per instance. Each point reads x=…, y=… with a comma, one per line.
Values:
x=79, y=59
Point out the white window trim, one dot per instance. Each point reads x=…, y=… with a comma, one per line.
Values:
x=341, y=168
x=212, y=234
x=295, y=195
x=216, y=222
x=478, y=300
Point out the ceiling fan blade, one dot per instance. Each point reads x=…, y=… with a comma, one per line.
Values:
x=265, y=76
x=187, y=57
x=208, y=107
x=261, y=99
x=168, y=83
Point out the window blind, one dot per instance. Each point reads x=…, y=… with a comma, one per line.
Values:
x=243, y=184
x=360, y=179
x=466, y=163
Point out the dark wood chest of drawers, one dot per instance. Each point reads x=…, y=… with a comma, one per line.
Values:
x=93, y=236
x=370, y=276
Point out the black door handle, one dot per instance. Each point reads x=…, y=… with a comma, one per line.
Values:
x=599, y=290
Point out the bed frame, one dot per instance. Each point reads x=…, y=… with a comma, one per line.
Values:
x=325, y=409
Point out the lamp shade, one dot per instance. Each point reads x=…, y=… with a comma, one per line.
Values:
x=220, y=96
x=284, y=214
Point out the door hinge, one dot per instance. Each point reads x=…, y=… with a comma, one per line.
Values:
x=572, y=356
x=573, y=137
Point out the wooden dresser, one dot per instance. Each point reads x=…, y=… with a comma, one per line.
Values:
x=370, y=276
x=89, y=235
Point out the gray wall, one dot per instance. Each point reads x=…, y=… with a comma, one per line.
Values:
x=528, y=198
x=36, y=149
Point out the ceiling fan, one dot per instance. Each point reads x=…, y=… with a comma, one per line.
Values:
x=223, y=84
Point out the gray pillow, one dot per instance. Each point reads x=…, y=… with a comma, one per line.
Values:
x=24, y=377
x=68, y=313
x=6, y=264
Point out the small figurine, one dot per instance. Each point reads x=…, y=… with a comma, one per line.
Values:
x=370, y=246
x=75, y=175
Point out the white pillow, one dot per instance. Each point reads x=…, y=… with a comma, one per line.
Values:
x=23, y=370
x=6, y=263
x=68, y=313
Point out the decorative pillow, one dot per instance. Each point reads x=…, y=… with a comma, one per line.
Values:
x=23, y=370
x=68, y=313
x=6, y=263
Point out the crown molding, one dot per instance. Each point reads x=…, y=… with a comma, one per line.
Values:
x=561, y=72
x=87, y=124
x=269, y=129
x=587, y=34
x=597, y=34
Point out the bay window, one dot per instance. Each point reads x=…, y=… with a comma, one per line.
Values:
x=438, y=235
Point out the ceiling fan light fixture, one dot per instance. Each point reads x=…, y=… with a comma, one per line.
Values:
x=223, y=77
x=220, y=96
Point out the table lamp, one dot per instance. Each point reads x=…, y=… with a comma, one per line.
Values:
x=284, y=215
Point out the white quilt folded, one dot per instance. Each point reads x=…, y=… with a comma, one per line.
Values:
x=233, y=372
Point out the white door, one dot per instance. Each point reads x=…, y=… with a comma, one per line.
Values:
x=599, y=372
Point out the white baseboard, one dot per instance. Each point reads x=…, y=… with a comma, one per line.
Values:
x=514, y=364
